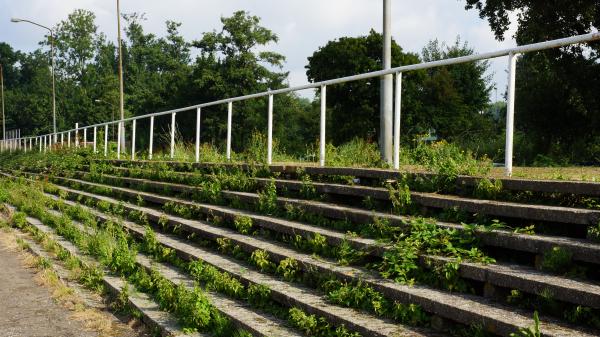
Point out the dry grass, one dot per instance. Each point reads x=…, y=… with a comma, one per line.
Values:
x=92, y=319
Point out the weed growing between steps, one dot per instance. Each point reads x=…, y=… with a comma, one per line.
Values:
x=419, y=237
x=218, y=281
x=114, y=249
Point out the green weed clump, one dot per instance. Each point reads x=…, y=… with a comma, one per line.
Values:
x=533, y=331
x=243, y=224
x=448, y=161
x=593, y=233
x=557, y=260
x=355, y=153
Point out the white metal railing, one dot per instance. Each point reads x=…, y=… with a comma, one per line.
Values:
x=45, y=142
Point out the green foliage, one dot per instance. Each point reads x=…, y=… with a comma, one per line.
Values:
x=267, y=202
x=593, y=233
x=312, y=325
x=560, y=82
x=557, y=260
x=400, y=197
x=260, y=258
x=533, y=331
x=486, y=189
x=289, y=269
x=243, y=224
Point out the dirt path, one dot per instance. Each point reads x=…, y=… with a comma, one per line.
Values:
x=30, y=308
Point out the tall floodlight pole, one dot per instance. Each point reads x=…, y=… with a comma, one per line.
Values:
x=121, y=99
x=51, y=69
x=387, y=83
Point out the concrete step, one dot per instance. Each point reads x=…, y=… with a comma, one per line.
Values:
x=152, y=316
x=558, y=214
x=460, y=308
x=510, y=276
x=581, y=249
x=287, y=294
x=240, y=313
x=586, y=188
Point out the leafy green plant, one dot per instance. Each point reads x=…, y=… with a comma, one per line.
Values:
x=400, y=197
x=267, y=201
x=532, y=331
x=289, y=269
x=243, y=224
x=593, y=233
x=557, y=260
x=260, y=258
x=486, y=189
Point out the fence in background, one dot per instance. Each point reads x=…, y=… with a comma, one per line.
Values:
x=71, y=137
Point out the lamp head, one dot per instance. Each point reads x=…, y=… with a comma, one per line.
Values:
x=15, y=20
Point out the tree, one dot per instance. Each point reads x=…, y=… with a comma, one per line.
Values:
x=557, y=103
x=454, y=97
x=353, y=107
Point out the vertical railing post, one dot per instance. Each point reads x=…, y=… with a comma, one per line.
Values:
x=198, y=116
x=397, y=112
x=95, y=139
x=133, y=140
x=173, y=135
x=151, y=142
x=119, y=140
x=30, y=144
x=323, y=115
x=69, y=140
x=76, y=135
x=62, y=139
x=106, y=140
x=270, y=132
x=510, y=113
x=85, y=138
x=229, y=120
x=45, y=143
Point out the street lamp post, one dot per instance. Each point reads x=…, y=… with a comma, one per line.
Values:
x=51, y=68
x=121, y=126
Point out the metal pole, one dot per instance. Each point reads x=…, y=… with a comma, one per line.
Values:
x=53, y=84
x=385, y=118
x=95, y=134
x=85, y=138
x=172, y=135
x=229, y=117
x=119, y=130
x=510, y=113
x=323, y=125
x=121, y=98
x=30, y=144
x=76, y=135
x=62, y=139
x=151, y=137
x=270, y=132
x=198, y=115
x=106, y=140
x=133, y=140
x=2, y=96
x=397, y=111
x=69, y=140
x=40, y=143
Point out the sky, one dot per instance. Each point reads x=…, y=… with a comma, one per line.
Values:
x=302, y=25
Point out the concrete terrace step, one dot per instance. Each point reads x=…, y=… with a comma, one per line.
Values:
x=508, y=276
x=285, y=293
x=461, y=308
x=239, y=313
x=581, y=249
x=151, y=313
x=534, y=185
x=433, y=200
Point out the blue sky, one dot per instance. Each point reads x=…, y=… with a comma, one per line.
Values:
x=302, y=25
